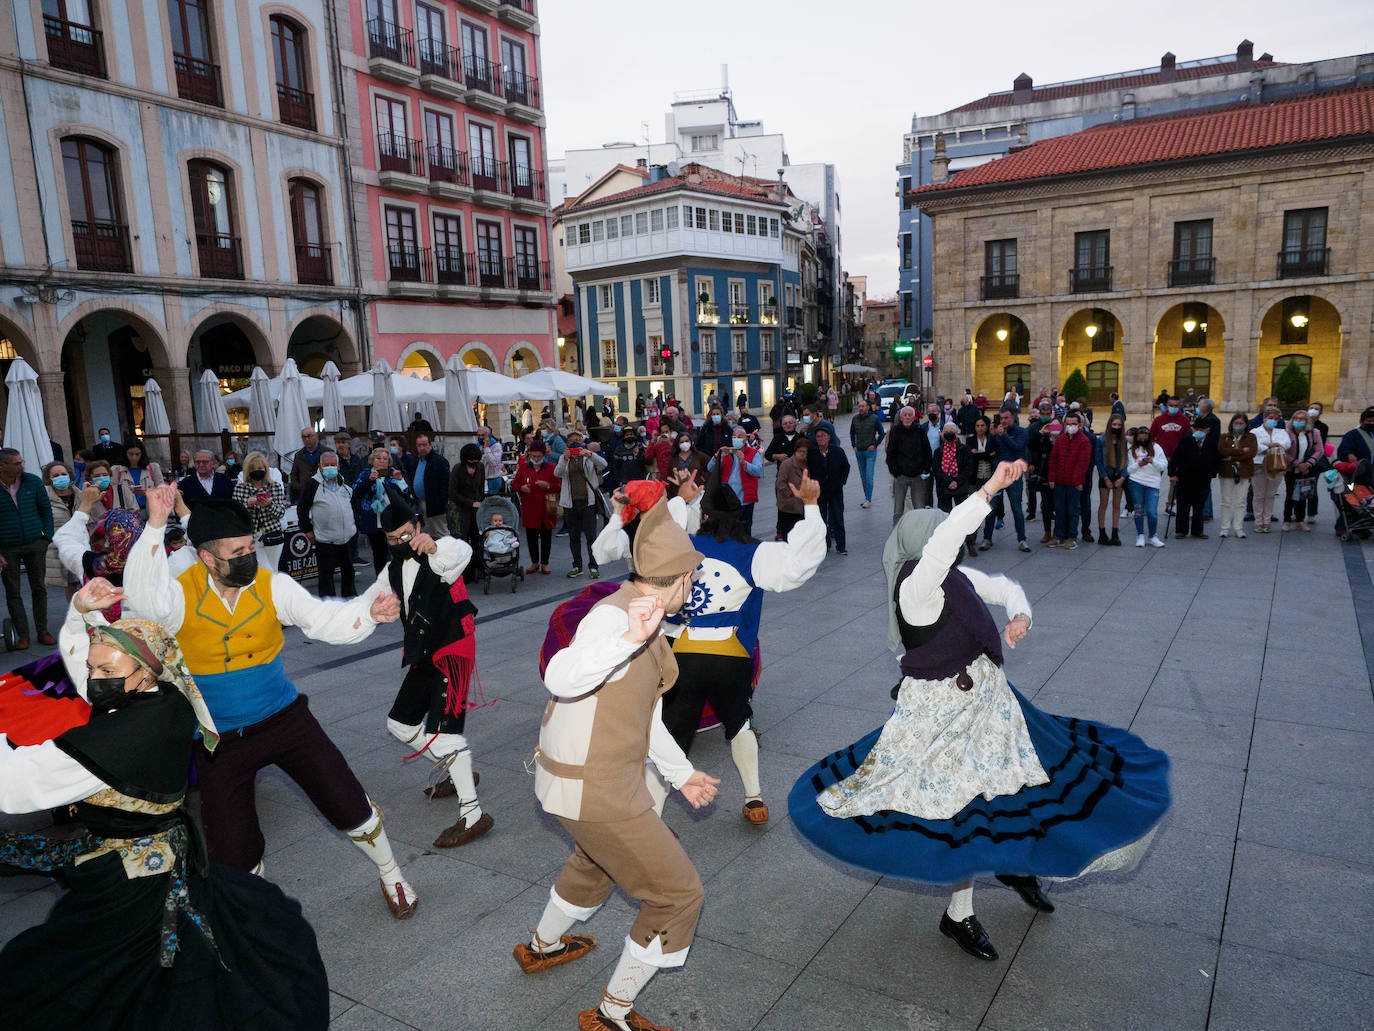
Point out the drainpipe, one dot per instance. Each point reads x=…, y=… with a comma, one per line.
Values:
x=336, y=77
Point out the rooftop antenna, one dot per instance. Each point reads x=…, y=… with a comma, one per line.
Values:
x=644, y=127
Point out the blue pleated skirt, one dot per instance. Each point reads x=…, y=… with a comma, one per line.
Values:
x=1107, y=791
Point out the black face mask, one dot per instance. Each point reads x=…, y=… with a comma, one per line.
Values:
x=258, y=474
x=239, y=571
x=105, y=693
x=401, y=552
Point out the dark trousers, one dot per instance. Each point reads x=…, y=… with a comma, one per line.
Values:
x=1085, y=507
x=540, y=543
x=332, y=558
x=380, y=550
x=294, y=742
x=580, y=520
x=1295, y=511
x=787, y=520
x=1046, y=494
x=722, y=680
x=1190, y=496
x=1066, y=509
x=33, y=556
x=832, y=511
x=746, y=517
x=422, y=697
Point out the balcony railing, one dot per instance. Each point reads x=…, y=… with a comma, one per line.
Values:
x=479, y=73
x=390, y=41
x=527, y=183
x=75, y=47
x=522, y=89
x=1088, y=279
x=399, y=154
x=488, y=174
x=1198, y=271
x=312, y=264
x=438, y=58
x=794, y=316
x=739, y=313
x=102, y=246
x=453, y=267
x=297, y=107
x=1303, y=261
x=447, y=165
x=491, y=271
x=408, y=264
x=528, y=275
x=769, y=360
x=708, y=362
x=524, y=5
x=708, y=314
x=198, y=80
x=220, y=256
x=741, y=361
x=999, y=286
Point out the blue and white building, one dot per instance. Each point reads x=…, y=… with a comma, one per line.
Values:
x=687, y=283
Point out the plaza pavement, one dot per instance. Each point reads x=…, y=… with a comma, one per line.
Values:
x=1248, y=661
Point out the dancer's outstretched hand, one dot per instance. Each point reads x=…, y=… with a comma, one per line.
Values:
x=98, y=593
x=687, y=486
x=809, y=491
x=1015, y=630
x=386, y=608
x=645, y=616
x=700, y=789
x=161, y=500
x=1005, y=474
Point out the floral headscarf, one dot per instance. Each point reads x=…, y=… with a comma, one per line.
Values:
x=120, y=528
x=155, y=648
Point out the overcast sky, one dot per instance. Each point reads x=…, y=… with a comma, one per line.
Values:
x=842, y=80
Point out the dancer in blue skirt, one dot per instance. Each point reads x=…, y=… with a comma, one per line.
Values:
x=967, y=778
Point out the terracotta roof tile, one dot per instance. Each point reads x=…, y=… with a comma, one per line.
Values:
x=710, y=181
x=1308, y=119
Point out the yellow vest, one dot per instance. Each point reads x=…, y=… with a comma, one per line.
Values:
x=213, y=639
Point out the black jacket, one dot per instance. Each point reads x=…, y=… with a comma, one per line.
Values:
x=963, y=478
x=908, y=450
x=193, y=493
x=781, y=444
x=1192, y=461
x=436, y=486
x=830, y=470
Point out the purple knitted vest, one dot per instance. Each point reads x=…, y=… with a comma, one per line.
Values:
x=964, y=631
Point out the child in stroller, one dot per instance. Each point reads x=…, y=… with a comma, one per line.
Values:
x=499, y=522
x=1349, y=484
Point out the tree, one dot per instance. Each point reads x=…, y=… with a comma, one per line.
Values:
x=1292, y=387
x=808, y=393
x=1075, y=386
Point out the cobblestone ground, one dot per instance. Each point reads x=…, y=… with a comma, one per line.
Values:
x=1248, y=661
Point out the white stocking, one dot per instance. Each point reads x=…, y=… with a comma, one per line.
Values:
x=371, y=837
x=460, y=771
x=744, y=749
x=627, y=981
x=961, y=902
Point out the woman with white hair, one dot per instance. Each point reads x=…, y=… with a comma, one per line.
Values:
x=967, y=778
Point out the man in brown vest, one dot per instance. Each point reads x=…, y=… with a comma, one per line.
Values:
x=604, y=721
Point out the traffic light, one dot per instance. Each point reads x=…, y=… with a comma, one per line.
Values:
x=901, y=348
x=665, y=355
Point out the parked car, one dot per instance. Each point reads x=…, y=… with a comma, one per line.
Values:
x=888, y=393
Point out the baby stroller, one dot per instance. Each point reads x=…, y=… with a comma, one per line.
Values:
x=500, y=544
x=1354, y=500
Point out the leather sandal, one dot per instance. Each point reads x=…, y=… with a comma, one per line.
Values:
x=575, y=946
x=755, y=811
x=445, y=788
x=459, y=835
x=403, y=906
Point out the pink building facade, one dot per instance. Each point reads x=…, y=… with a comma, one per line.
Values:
x=449, y=186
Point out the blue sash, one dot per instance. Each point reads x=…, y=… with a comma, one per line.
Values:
x=242, y=697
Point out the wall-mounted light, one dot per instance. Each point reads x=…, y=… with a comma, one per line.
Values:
x=1298, y=319
x=1002, y=335
x=1189, y=325
x=562, y=341
x=1090, y=329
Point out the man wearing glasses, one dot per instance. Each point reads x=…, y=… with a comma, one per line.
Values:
x=306, y=462
x=205, y=482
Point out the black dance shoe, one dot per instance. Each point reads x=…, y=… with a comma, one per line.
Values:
x=969, y=935
x=1029, y=890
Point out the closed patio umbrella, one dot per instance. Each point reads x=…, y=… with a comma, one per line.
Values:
x=458, y=416
x=293, y=414
x=262, y=413
x=25, y=428
x=332, y=401
x=386, y=409
x=155, y=419
x=213, y=417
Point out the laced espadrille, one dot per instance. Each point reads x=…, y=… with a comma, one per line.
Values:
x=575, y=946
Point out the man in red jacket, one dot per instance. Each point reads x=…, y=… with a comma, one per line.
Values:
x=1168, y=428
x=1069, y=460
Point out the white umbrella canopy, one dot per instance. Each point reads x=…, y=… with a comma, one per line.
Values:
x=851, y=367
x=213, y=417
x=155, y=419
x=293, y=414
x=386, y=408
x=262, y=413
x=458, y=416
x=567, y=384
x=332, y=402
x=25, y=429
x=314, y=392
x=361, y=389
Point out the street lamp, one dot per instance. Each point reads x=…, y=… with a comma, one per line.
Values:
x=1090, y=329
x=1189, y=325
x=1002, y=335
x=1298, y=319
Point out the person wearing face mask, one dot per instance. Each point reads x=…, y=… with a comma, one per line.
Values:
x=741, y=465
x=688, y=460
x=537, y=488
x=714, y=433
x=1271, y=462
x=659, y=455
x=908, y=462
x=1306, y=450
x=953, y=470
x=1236, y=450
x=580, y=471
x=601, y=726
x=227, y=614
x=554, y=441
x=1148, y=466
x=1314, y=420
x=1191, y=468
x=107, y=449
x=379, y=485
x=264, y=498
x=627, y=457
x=1112, y=473
x=26, y=531
x=325, y=515
x=784, y=440
x=1070, y=459
x=1039, y=448
x=63, y=497
x=146, y=933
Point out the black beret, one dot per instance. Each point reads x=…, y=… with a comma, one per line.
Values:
x=217, y=518
x=395, y=516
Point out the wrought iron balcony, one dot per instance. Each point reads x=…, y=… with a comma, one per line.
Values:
x=75, y=47
x=518, y=12
x=1089, y=279
x=708, y=361
x=407, y=264
x=488, y=174
x=521, y=89
x=390, y=42
x=1199, y=271
x=312, y=264
x=102, y=246
x=438, y=58
x=399, y=154
x=708, y=314
x=1303, y=261
x=769, y=360
x=481, y=74
x=297, y=107
x=198, y=80
x=1000, y=286
x=527, y=183
x=454, y=267
x=491, y=272
x=220, y=256
x=740, y=360
x=528, y=275
x=739, y=314
x=447, y=165
x=794, y=316
x=768, y=314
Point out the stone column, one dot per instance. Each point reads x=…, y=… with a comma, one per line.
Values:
x=50, y=387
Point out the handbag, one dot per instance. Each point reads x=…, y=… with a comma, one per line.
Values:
x=551, y=504
x=1275, y=462
x=273, y=537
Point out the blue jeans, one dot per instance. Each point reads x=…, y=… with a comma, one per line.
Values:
x=866, y=460
x=1145, y=501
x=1066, y=504
x=1018, y=512
x=493, y=485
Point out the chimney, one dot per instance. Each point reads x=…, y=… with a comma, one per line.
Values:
x=1022, y=89
x=641, y=163
x=1245, y=56
x=939, y=164
x=1167, y=71
x=1266, y=56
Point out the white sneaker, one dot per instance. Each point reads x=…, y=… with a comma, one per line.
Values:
x=1140, y=540
x=1224, y=535
x=865, y=504
x=1155, y=542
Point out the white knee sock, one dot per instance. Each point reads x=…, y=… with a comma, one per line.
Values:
x=961, y=902
x=371, y=837
x=406, y=733
x=460, y=771
x=658, y=790
x=744, y=749
x=555, y=923
x=627, y=981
